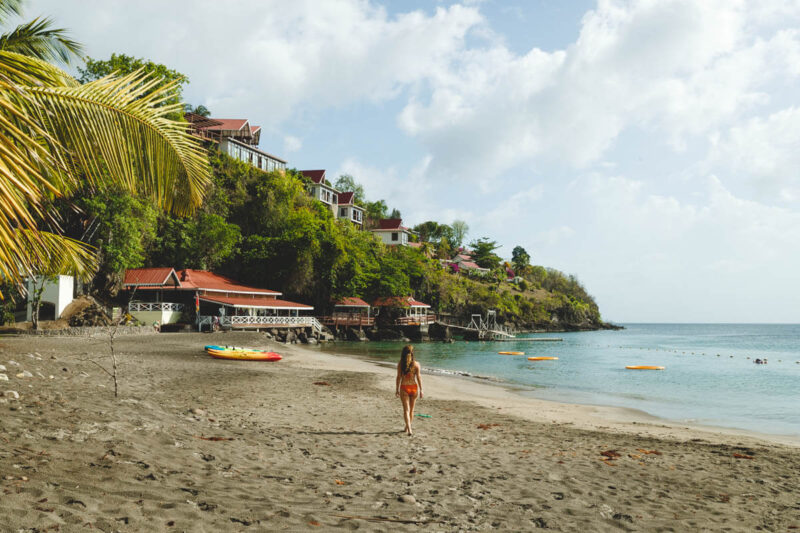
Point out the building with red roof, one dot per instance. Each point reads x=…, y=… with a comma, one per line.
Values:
x=341, y=204
x=349, y=311
x=392, y=232
x=237, y=138
x=403, y=311
x=170, y=296
x=348, y=210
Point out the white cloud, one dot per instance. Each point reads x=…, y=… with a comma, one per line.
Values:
x=718, y=258
x=763, y=152
x=291, y=144
x=679, y=68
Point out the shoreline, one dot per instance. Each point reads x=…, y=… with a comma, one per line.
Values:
x=509, y=398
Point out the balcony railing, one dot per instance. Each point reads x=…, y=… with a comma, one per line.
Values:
x=348, y=320
x=155, y=306
x=415, y=320
x=245, y=321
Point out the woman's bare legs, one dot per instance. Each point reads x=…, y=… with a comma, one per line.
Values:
x=411, y=401
x=406, y=410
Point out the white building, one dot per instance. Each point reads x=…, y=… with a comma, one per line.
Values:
x=59, y=291
x=392, y=232
x=348, y=210
x=319, y=190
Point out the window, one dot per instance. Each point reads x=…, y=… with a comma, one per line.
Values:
x=342, y=212
x=394, y=236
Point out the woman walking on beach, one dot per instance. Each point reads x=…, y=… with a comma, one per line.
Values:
x=408, y=384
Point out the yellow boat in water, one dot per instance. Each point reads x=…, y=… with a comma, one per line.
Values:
x=542, y=358
x=511, y=353
x=644, y=367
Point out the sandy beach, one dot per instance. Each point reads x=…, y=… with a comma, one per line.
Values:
x=315, y=442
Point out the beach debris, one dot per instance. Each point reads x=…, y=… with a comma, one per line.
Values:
x=24, y=374
x=610, y=454
x=73, y=501
x=214, y=439
x=13, y=363
x=3, y=377
x=2, y=368
x=423, y=416
x=205, y=506
x=322, y=383
x=743, y=456
x=487, y=426
x=12, y=394
x=339, y=482
x=648, y=452
x=197, y=411
x=407, y=498
x=384, y=519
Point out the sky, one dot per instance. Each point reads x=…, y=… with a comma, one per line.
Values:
x=648, y=147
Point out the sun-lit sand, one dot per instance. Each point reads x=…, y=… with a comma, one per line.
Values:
x=316, y=442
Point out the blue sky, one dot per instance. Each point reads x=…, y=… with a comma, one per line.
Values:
x=648, y=147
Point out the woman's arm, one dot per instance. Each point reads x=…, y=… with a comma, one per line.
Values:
x=397, y=381
x=419, y=378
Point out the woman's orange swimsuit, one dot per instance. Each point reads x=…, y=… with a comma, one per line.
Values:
x=411, y=390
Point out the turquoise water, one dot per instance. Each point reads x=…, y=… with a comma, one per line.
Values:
x=708, y=378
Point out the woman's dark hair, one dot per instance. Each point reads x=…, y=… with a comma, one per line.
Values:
x=407, y=358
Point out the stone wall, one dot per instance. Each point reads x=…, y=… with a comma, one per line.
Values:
x=91, y=331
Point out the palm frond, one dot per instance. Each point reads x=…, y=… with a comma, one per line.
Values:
x=39, y=39
x=25, y=253
x=116, y=130
x=9, y=8
x=113, y=130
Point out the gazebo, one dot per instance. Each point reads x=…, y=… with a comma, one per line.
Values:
x=350, y=311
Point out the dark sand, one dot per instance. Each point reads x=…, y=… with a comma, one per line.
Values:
x=316, y=443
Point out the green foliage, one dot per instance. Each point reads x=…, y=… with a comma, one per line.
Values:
x=395, y=214
x=347, y=183
x=483, y=253
x=460, y=231
x=203, y=242
x=121, y=64
x=201, y=110
x=520, y=260
x=122, y=228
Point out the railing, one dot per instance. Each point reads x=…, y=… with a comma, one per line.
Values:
x=245, y=320
x=415, y=320
x=348, y=320
x=155, y=306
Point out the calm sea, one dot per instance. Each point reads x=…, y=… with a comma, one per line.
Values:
x=710, y=377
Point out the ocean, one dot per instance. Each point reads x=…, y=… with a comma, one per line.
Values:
x=709, y=375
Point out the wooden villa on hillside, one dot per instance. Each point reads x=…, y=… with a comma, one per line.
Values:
x=198, y=296
x=237, y=138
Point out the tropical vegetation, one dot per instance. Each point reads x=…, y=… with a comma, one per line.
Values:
x=60, y=139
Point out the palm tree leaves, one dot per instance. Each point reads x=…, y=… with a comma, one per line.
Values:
x=39, y=39
x=112, y=131
x=117, y=128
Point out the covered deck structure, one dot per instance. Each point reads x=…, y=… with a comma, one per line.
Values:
x=209, y=300
x=350, y=312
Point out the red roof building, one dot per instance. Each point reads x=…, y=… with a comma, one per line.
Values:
x=237, y=138
x=350, y=301
x=212, y=295
x=392, y=232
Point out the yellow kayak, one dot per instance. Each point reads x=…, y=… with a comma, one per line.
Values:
x=511, y=353
x=244, y=355
x=542, y=358
x=644, y=367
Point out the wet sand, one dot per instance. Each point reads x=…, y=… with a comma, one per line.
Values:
x=316, y=442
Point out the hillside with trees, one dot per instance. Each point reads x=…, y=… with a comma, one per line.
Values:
x=263, y=229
